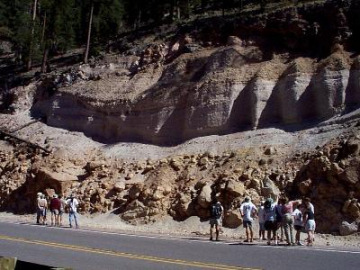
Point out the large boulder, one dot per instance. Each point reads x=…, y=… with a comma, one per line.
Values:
x=235, y=188
x=232, y=219
x=204, y=198
x=269, y=189
x=59, y=181
x=347, y=228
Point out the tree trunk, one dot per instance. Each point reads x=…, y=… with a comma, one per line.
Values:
x=29, y=62
x=43, y=30
x=44, y=60
x=86, y=56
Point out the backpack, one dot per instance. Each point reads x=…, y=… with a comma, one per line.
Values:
x=267, y=204
x=216, y=211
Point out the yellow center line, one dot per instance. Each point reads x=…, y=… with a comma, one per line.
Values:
x=126, y=255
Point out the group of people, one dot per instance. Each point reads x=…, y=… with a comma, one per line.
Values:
x=284, y=215
x=57, y=207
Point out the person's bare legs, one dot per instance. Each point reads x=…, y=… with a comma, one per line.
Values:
x=217, y=232
x=268, y=237
x=275, y=237
x=247, y=234
x=310, y=238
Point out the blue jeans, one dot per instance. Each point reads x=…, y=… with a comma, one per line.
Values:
x=71, y=216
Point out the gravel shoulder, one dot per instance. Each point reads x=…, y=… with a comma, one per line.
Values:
x=191, y=228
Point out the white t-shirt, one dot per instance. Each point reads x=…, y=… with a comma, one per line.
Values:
x=72, y=204
x=247, y=209
x=298, y=217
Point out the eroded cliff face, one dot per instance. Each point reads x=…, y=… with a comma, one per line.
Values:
x=212, y=91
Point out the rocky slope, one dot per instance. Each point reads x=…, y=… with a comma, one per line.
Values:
x=298, y=117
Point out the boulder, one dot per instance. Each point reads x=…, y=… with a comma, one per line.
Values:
x=235, y=188
x=60, y=182
x=204, y=198
x=135, y=209
x=269, y=189
x=232, y=219
x=347, y=228
x=233, y=40
x=305, y=186
x=119, y=186
x=93, y=165
x=135, y=191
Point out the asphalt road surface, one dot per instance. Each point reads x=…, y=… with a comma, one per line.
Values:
x=94, y=250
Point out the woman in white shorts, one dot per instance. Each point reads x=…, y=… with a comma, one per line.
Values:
x=310, y=224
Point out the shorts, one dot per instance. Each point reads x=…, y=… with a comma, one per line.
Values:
x=298, y=227
x=42, y=212
x=270, y=225
x=262, y=226
x=215, y=221
x=247, y=224
x=310, y=225
x=55, y=212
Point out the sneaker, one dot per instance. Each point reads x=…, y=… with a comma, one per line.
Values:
x=299, y=244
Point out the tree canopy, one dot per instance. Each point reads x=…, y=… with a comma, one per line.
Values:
x=40, y=27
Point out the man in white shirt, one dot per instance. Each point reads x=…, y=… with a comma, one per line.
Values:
x=72, y=204
x=247, y=211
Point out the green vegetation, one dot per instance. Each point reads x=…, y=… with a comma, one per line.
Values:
x=41, y=29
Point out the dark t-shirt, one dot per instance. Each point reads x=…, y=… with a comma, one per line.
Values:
x=55, y=204
x=309, y=214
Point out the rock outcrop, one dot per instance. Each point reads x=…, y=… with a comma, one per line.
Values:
x=216, y=91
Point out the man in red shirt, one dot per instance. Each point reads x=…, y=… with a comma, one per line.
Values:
x=55, y=206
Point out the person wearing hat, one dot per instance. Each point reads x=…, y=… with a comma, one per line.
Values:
x=72, y=204
x=42, y=207
x=269, y=216
x=55, y=205
x=247, y=211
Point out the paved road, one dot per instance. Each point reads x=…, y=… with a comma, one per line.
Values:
x=86, y=249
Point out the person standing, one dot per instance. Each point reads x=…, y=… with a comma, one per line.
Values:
x=55, y=205
x=261, y=221
x=42, y=206
x=298, y=223
x=62, y=209
x=72, y=204
x=247, y=211
x=288, y=220
x=309, y=220
x=38, y=210
x=216, y=214
x=279, y=217
x=270, y=220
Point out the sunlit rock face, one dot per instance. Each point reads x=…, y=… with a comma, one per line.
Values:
x=211, y=91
